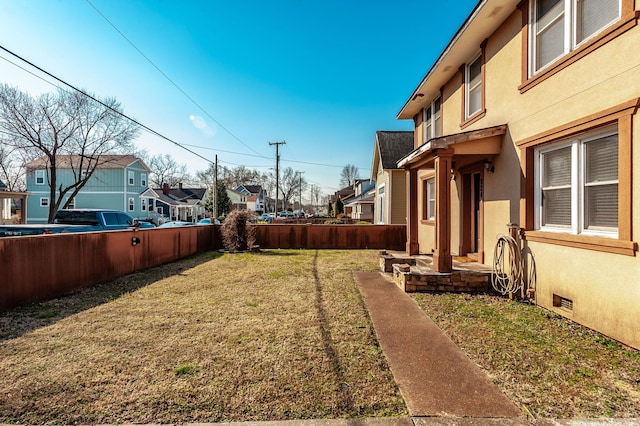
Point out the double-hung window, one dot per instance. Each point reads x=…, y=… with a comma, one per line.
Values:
x=132, y=177
x=432, y=120
x=560, y=26
x=577, y=185
x=40, y=177
x=473, y=87
x=429, y=199
x=132, y=204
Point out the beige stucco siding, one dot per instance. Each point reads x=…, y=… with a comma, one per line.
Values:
x=604, y=287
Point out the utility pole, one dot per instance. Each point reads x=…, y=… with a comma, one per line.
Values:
x=277, y=144
x=215, y=188
x=300, y=194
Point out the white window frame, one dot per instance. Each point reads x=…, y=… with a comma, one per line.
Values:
x=381, y=203
x=578, y=172
x=143, y=179
x=468, y=89
x=71, y=204
x=570, y=28
x=44, y=201
x=430, y=195
x=131, y=176
x=143, y=204
x=132, y=204
x=433, y=124
x=40, y=177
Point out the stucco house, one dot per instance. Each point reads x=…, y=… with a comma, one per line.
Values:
x=528, y=117
x=391, y=181
x=117, y=182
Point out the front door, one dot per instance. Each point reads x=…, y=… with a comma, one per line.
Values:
x=472, y=214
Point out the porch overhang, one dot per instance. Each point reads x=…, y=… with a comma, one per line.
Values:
x=487, y=141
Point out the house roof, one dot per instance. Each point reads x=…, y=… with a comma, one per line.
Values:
x=181, y=196
x=484, y=19
x=252, y=189
x=392, y=146
x=105, y=162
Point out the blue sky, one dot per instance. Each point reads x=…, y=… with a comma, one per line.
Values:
x=321, y=75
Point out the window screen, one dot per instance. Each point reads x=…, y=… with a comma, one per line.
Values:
x=593, y=15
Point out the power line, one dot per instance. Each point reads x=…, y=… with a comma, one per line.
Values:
x=169, y=79
x=104, y=105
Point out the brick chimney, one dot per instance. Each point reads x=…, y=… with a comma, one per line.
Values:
x=165, y=188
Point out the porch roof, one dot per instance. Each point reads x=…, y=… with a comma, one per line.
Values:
x=487, y=141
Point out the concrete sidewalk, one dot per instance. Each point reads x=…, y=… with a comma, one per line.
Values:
x=436, y=379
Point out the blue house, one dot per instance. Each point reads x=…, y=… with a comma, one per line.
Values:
x=116, y=182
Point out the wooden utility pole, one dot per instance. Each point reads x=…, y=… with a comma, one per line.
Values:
x=277, y=144
x=215, y=189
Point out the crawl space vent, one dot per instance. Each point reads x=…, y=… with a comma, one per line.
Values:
x=562, y=302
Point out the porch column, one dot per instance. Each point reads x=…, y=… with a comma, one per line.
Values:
x=442, y=257
x=412, y=212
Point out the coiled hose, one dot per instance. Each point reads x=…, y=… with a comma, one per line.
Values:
x=508, y=271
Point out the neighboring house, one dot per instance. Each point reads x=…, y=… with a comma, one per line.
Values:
x=255, y=197
x=355, y=195
x=183, y=204
x=361, y=206
x=11, y=205
x=529, y=117
x=391, y=181
x=117, y=183
x=238, y=199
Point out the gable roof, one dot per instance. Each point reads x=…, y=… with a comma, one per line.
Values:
x=178, y=196
x=251, y=189
x=106, y=161
x=392, y=146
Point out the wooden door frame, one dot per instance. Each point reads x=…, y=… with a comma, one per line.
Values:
x=466, y=208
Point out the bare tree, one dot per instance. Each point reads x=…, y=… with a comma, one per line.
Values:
x=316, y=194
x=165, y=169
x=348, y=175
x=64, y=125
x=291, y=183
x=12, y=168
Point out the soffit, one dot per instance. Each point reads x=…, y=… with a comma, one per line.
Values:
x=483, y=21
x=476, y=142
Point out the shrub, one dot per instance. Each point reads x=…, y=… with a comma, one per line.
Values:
x=237, y=234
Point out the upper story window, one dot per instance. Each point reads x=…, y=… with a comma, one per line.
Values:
x=577, y=185
x=40, y=177
x=143, y=179
x=558, y=27
x=432, y=120
x=132, y=177
x=473, y=87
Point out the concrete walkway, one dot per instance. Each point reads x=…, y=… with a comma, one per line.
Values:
x=436, y=379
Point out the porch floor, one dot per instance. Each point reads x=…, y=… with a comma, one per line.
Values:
x=416, y=274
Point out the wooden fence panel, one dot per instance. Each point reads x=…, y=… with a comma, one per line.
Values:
x=46, y=266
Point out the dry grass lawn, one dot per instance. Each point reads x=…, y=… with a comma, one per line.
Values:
x=260, y=336
x=549, y=366
x=277, y=335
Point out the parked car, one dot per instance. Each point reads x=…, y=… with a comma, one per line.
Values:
x=265, y=217
x=208, y=221
x=176, y=223
x=77, y=220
